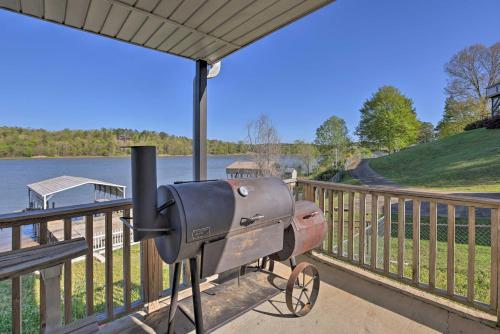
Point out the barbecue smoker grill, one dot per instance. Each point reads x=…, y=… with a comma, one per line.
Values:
x=225, y=224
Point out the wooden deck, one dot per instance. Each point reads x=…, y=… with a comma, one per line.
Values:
x=348, y=302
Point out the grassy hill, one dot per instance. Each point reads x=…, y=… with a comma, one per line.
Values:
x=469, y=161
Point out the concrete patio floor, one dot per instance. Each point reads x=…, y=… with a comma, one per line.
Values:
x=347, y=303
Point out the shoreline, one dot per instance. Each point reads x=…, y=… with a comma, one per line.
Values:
x=114, y=156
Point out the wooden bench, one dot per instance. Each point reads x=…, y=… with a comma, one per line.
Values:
x=49, y=259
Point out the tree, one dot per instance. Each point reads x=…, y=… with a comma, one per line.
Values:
x=426, y=132
x=457, y=114
x=388, y=120
x=307, y=153
x=264, y=142
x=471, y=70
x=332, y=139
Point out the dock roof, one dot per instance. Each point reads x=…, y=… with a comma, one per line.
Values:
x=61, y=183
x=198, y=30
x=243, y=165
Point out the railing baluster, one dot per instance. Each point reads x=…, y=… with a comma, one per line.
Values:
x=16, y=286
x=89, y=265
x=108, y=226
x=330, y=221
x=495, y=224
x=67, y=277
x=401, y=236
x=321, y=195
x=322, y=199
x=42, y=240
x=340, y=241
x=374, y=232
x=362, y=227
x=416, y=241
x=472, y=254
x=494, y=260
x=350, y=231
x=432, y=244
x=450, y=277
x=126, y=263
x=387, y=233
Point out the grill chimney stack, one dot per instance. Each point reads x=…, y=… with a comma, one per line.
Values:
x=144, y=192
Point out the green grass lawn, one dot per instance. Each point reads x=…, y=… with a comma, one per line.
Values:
x=469, y=161
x=31, y=288
x=482, y=263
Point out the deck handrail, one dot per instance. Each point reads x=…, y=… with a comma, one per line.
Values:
x=350, y=237
x=409, y=193
x=151, y=281
x=80, y=210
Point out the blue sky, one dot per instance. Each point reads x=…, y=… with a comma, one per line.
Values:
x=326, y=64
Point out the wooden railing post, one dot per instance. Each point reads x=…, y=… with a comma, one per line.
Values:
x=68, y=289
x=401, y=236
x=322, y=207
x=362, y=227
x=89, y=265
x=350, y=229
x=108, y=264
x=331, y=212
x=127, y=284
x=151, y=268
x=16, y=286
x=450, y=279
x=374, y=232
x=494, y=260
x=42, y=240
x=495, y=226
x=387, y=233
x=432, y=244
x=340, y=235
x=416, y=241
x=472, y=254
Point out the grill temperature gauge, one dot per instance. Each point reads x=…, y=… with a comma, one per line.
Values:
x=243, y=191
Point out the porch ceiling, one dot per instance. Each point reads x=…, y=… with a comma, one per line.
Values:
x=195, y=29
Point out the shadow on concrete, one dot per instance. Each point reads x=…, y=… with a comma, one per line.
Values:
x=425, y=313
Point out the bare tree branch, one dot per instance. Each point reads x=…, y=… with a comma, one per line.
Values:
x=264, y=142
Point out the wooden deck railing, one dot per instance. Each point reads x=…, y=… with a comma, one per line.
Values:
x=382, y=230
x=151, y=266
x=406, y=235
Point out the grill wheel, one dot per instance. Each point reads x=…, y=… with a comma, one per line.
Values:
x=302, y=289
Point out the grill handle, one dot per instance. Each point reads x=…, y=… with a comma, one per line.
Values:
x=249, y=221
x=310, y=215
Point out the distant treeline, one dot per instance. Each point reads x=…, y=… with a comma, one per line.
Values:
x=23, y=142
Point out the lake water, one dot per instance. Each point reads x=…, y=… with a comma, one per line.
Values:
x=16, y=174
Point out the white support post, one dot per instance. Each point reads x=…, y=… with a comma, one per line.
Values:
x=52, y=281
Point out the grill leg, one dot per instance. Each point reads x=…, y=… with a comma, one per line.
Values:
x=174, y=297
x=195, y=280
x=293, y=262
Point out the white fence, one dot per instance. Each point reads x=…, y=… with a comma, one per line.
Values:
x=99, y=240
